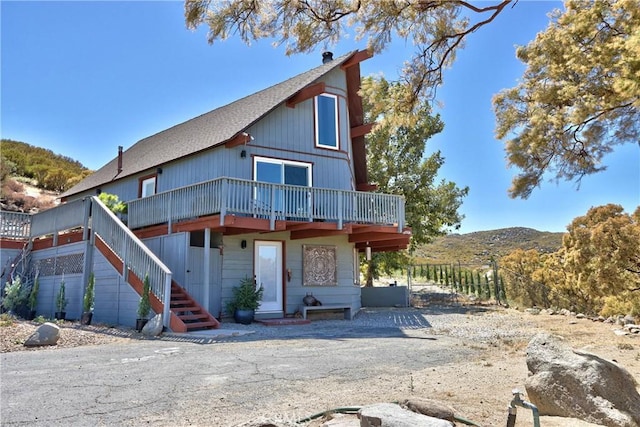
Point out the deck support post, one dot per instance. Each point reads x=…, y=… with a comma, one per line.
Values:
x=207, y=268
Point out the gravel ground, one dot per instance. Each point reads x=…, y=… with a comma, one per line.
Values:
x=453, y=320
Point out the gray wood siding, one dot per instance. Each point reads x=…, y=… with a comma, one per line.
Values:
x=344, y=293
x=49, y=285
x=116, y=302
x=237, y=263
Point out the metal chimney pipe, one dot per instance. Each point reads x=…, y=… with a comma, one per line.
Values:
x=119, y=158
x=327, y=57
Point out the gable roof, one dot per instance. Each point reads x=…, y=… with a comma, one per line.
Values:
x=203, y=132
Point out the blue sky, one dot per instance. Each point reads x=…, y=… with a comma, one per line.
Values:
x=81, y=78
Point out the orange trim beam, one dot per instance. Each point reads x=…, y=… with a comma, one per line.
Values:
x=241, y=138
x=306, y=93
x=361, y=130
x=356, y=58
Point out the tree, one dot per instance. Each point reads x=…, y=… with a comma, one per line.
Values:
x=521, y=287
x=398, y=165
x=602, y=258
x=436, y=29
x=579, y=96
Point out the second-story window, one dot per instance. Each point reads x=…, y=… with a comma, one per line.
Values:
x=326, y=118
x=147, y=186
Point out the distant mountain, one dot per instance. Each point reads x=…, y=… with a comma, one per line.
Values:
x=479, y=247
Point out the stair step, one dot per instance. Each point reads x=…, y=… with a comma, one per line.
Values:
x=201, y=325
x=193, y=316
x=181, y=302
x=188, y=308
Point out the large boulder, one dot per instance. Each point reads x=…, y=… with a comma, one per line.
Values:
x=46, y=334
x=392, y=415
x=572, y=383
x=154, y=327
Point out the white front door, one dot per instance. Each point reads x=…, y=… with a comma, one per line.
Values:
x=268, y=268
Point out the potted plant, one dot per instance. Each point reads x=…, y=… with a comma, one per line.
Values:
x=246, y=300
x=33, y=298
x=61, y=303
x=87, y=301
x=144, y=307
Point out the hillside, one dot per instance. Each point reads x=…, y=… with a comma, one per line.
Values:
x=43, y=168
x=479, y=247
x=32, y=177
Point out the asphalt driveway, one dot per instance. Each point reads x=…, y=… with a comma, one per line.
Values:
x=189, y=380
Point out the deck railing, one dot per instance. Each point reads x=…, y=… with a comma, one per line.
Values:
x=63, y=217
x=91, y=213
x=227, y=196
x=133, y=253
x=15, y=225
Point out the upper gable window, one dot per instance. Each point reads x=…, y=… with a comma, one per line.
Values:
x=326, y=109
x=147, y=186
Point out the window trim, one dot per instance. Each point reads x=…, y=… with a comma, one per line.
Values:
x=283, y=162
x=141, y=182
x=317, y=122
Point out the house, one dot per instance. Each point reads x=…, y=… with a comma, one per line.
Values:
x=273, y=185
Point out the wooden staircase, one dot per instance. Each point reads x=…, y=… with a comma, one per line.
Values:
x=186, y=314
x=192, y=315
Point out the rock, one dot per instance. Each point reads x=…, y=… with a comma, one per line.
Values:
x=620, y=332
x=580, y=316
x=571, y=383
x=533, y=310
x=628, y=319
x=154, y=327
x=341, y=420
x=610, y=319
x=429, y=407
x=392, y=415
x=562, y=422
x=600, y=319
x=46, y=334
x=565, y=312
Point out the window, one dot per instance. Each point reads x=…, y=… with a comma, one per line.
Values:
x=326, y=109
x=282, y=171
x=275, y=171
x=147, y=186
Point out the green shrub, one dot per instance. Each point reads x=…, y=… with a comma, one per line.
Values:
x=33, y=295
x=144, y=307
x=246, y=296
x=87, y=301
x=61, y=301
x=15, y=295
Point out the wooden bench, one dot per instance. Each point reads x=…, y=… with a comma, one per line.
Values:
x=327, y=307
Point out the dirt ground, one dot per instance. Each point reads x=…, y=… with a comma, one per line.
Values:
x=478, y=389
